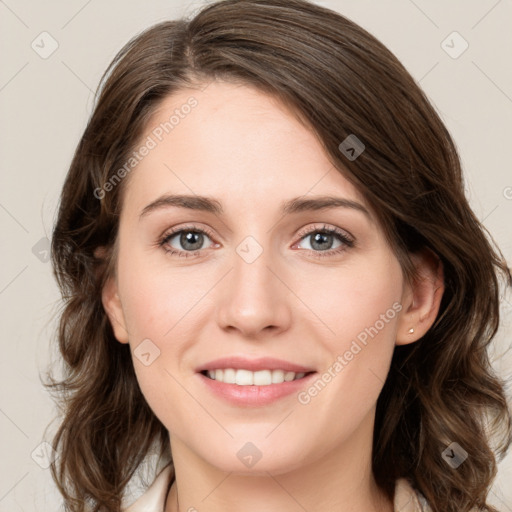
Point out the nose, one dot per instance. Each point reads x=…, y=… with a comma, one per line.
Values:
x=254, y=299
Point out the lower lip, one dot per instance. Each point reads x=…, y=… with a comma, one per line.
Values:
x=254, y=395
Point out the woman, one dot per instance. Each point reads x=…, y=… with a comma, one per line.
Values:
x=206, y=326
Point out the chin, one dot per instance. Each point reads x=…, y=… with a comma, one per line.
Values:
x=255, y=459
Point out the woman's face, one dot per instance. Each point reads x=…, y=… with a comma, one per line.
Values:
x=241, y=275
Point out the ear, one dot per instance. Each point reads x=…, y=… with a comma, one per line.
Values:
x=112, y=304
x=421, y=298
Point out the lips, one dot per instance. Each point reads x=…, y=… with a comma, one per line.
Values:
x=259, y=382
x=254, y=395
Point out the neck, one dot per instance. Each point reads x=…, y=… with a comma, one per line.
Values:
x=340, y=480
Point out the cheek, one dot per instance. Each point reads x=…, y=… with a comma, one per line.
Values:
x=356, y=301
x=159, y=332
x=360, y=307
x=156, y=302
x=159, y=308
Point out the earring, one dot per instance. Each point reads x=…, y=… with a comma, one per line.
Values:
x=411, y=330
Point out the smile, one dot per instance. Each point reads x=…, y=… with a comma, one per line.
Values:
x=243, y=377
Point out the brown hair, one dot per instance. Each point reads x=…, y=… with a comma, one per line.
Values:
x=340, y=80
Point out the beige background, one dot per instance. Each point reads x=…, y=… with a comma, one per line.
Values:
x=44, y=105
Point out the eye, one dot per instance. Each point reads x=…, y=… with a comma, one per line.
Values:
x=322, y=241
x=190, y=238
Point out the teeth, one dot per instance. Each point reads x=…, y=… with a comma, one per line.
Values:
x=243, y=377
x=248, y=378
x=263, y=378
x=288, y=376
x=229, y=376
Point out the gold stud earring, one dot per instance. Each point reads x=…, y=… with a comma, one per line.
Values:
x=411, y=330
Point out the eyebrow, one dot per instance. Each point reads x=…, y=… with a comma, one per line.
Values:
x=210, y=205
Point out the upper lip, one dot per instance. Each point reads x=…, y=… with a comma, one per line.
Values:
x=263, y=363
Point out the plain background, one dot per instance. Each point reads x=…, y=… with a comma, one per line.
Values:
x=45, y=103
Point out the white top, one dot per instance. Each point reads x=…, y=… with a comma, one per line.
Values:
x=153, y=500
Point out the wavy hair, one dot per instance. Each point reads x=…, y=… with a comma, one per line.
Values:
x=339, y=80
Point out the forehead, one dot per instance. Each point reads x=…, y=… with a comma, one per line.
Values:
x=237, y=144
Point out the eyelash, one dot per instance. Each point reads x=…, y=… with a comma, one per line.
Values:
x=342, y=236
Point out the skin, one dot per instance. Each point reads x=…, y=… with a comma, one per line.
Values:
x=249, y=152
